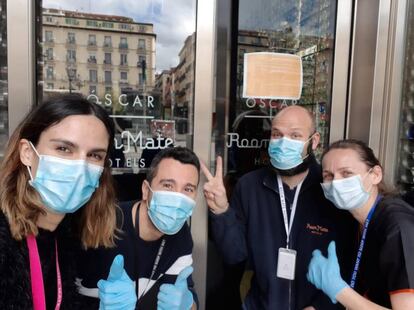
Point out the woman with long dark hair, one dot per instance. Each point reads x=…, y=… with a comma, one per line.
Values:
x=56, y=163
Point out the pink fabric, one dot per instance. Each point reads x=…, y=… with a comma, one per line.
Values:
x=36, y=276
x=38, y=292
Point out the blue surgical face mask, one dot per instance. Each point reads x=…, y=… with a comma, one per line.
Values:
x=286, y=153
x=64, y=185
x=168, y=211
x=346, y=194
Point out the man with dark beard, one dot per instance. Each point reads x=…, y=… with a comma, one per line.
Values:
x=277, y=216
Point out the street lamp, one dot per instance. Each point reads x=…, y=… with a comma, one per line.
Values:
x=71, y=76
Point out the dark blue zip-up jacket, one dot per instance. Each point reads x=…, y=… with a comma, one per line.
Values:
x=252, y=230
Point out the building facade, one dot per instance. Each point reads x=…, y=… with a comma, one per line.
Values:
x=96, y=54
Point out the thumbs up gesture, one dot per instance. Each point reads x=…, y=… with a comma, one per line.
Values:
x=118, y=291
x=325, y=274
x=176, y=296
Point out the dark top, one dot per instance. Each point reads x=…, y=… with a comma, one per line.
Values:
x=15, y=285
x=387, y=263
x=139, y=257
x=253, y=230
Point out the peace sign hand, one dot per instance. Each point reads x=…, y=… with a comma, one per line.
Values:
x=214, y=190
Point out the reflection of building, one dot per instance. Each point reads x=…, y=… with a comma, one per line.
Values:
x=97, y=54
x=164, y=83
x=177, y=88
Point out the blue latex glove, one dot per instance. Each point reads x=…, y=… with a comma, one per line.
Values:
x=176, y=296
x=118, y=291
x=325, y=274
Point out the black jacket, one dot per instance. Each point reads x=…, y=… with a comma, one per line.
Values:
x=252, y=230
x=15, y=285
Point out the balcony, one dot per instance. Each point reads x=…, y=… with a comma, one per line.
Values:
x=92, y=62
x=50, y=77
x=123, y=46
x=71, y=60
x=49, y=42
x=107, y=46
x=92, y=45
x=70, y=42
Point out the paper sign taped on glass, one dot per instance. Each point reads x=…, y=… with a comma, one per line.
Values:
x=272, y=76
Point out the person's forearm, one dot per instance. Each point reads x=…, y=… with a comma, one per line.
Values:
x=194, y=306
x=353, y=301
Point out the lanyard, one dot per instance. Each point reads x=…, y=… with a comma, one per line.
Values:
x=362, y=242
x=288, y=222
x=36, y=276
x=154, y=267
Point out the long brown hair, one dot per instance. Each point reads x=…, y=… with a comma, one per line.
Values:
x=20, y=202
x=367, y=156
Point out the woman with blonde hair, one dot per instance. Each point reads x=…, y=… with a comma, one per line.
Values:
x=56, y=163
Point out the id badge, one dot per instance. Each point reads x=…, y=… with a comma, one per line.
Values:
x=286, y=263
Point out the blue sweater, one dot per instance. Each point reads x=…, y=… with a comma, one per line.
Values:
x=252, y=230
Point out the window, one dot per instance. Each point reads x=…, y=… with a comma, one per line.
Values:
x=71, y=56
x=92, y=89
x=108, y=77
x=49, y=73
x=49, y=19
x=124, y=75
x=50, y=86
x=92, y=59
x=71, y=21
x=140, y=79
x=141, y=44
x=49, y=53
x=142, y=28
x=107, y=41
x=123, y=43
x=141, y=59
x=107, y=25
x=124, y=26
x=92, y=40
x=124, y=60
x=108, y=58
x=48, y=36
x=92, y=23
x=71, y=38
x=93, y=76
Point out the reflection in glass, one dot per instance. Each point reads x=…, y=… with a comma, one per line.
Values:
x=4, y=122
x=302, y=27
x=137, y=63
x=405, y=164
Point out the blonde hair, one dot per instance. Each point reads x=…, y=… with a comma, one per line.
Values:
x=22, y=205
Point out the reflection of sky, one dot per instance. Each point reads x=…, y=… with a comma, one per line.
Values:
x=173, y=21
x=277, y=14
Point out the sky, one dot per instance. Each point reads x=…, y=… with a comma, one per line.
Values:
x=174, y=20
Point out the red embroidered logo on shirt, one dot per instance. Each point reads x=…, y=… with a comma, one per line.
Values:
x=317, y=229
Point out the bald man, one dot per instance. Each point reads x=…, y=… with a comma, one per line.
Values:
x=277, y=216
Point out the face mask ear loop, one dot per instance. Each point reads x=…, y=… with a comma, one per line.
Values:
x=34, y=149
x=363, y=179
x=30, y=173
x=149, y=187
x=28, y=168
x=309, y=139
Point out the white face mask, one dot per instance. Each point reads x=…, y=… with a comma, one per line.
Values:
x=346, y=194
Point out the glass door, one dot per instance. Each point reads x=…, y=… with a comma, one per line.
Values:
x=137, y=60
x=405, y=160
x=4, y=123
x=241, y=126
